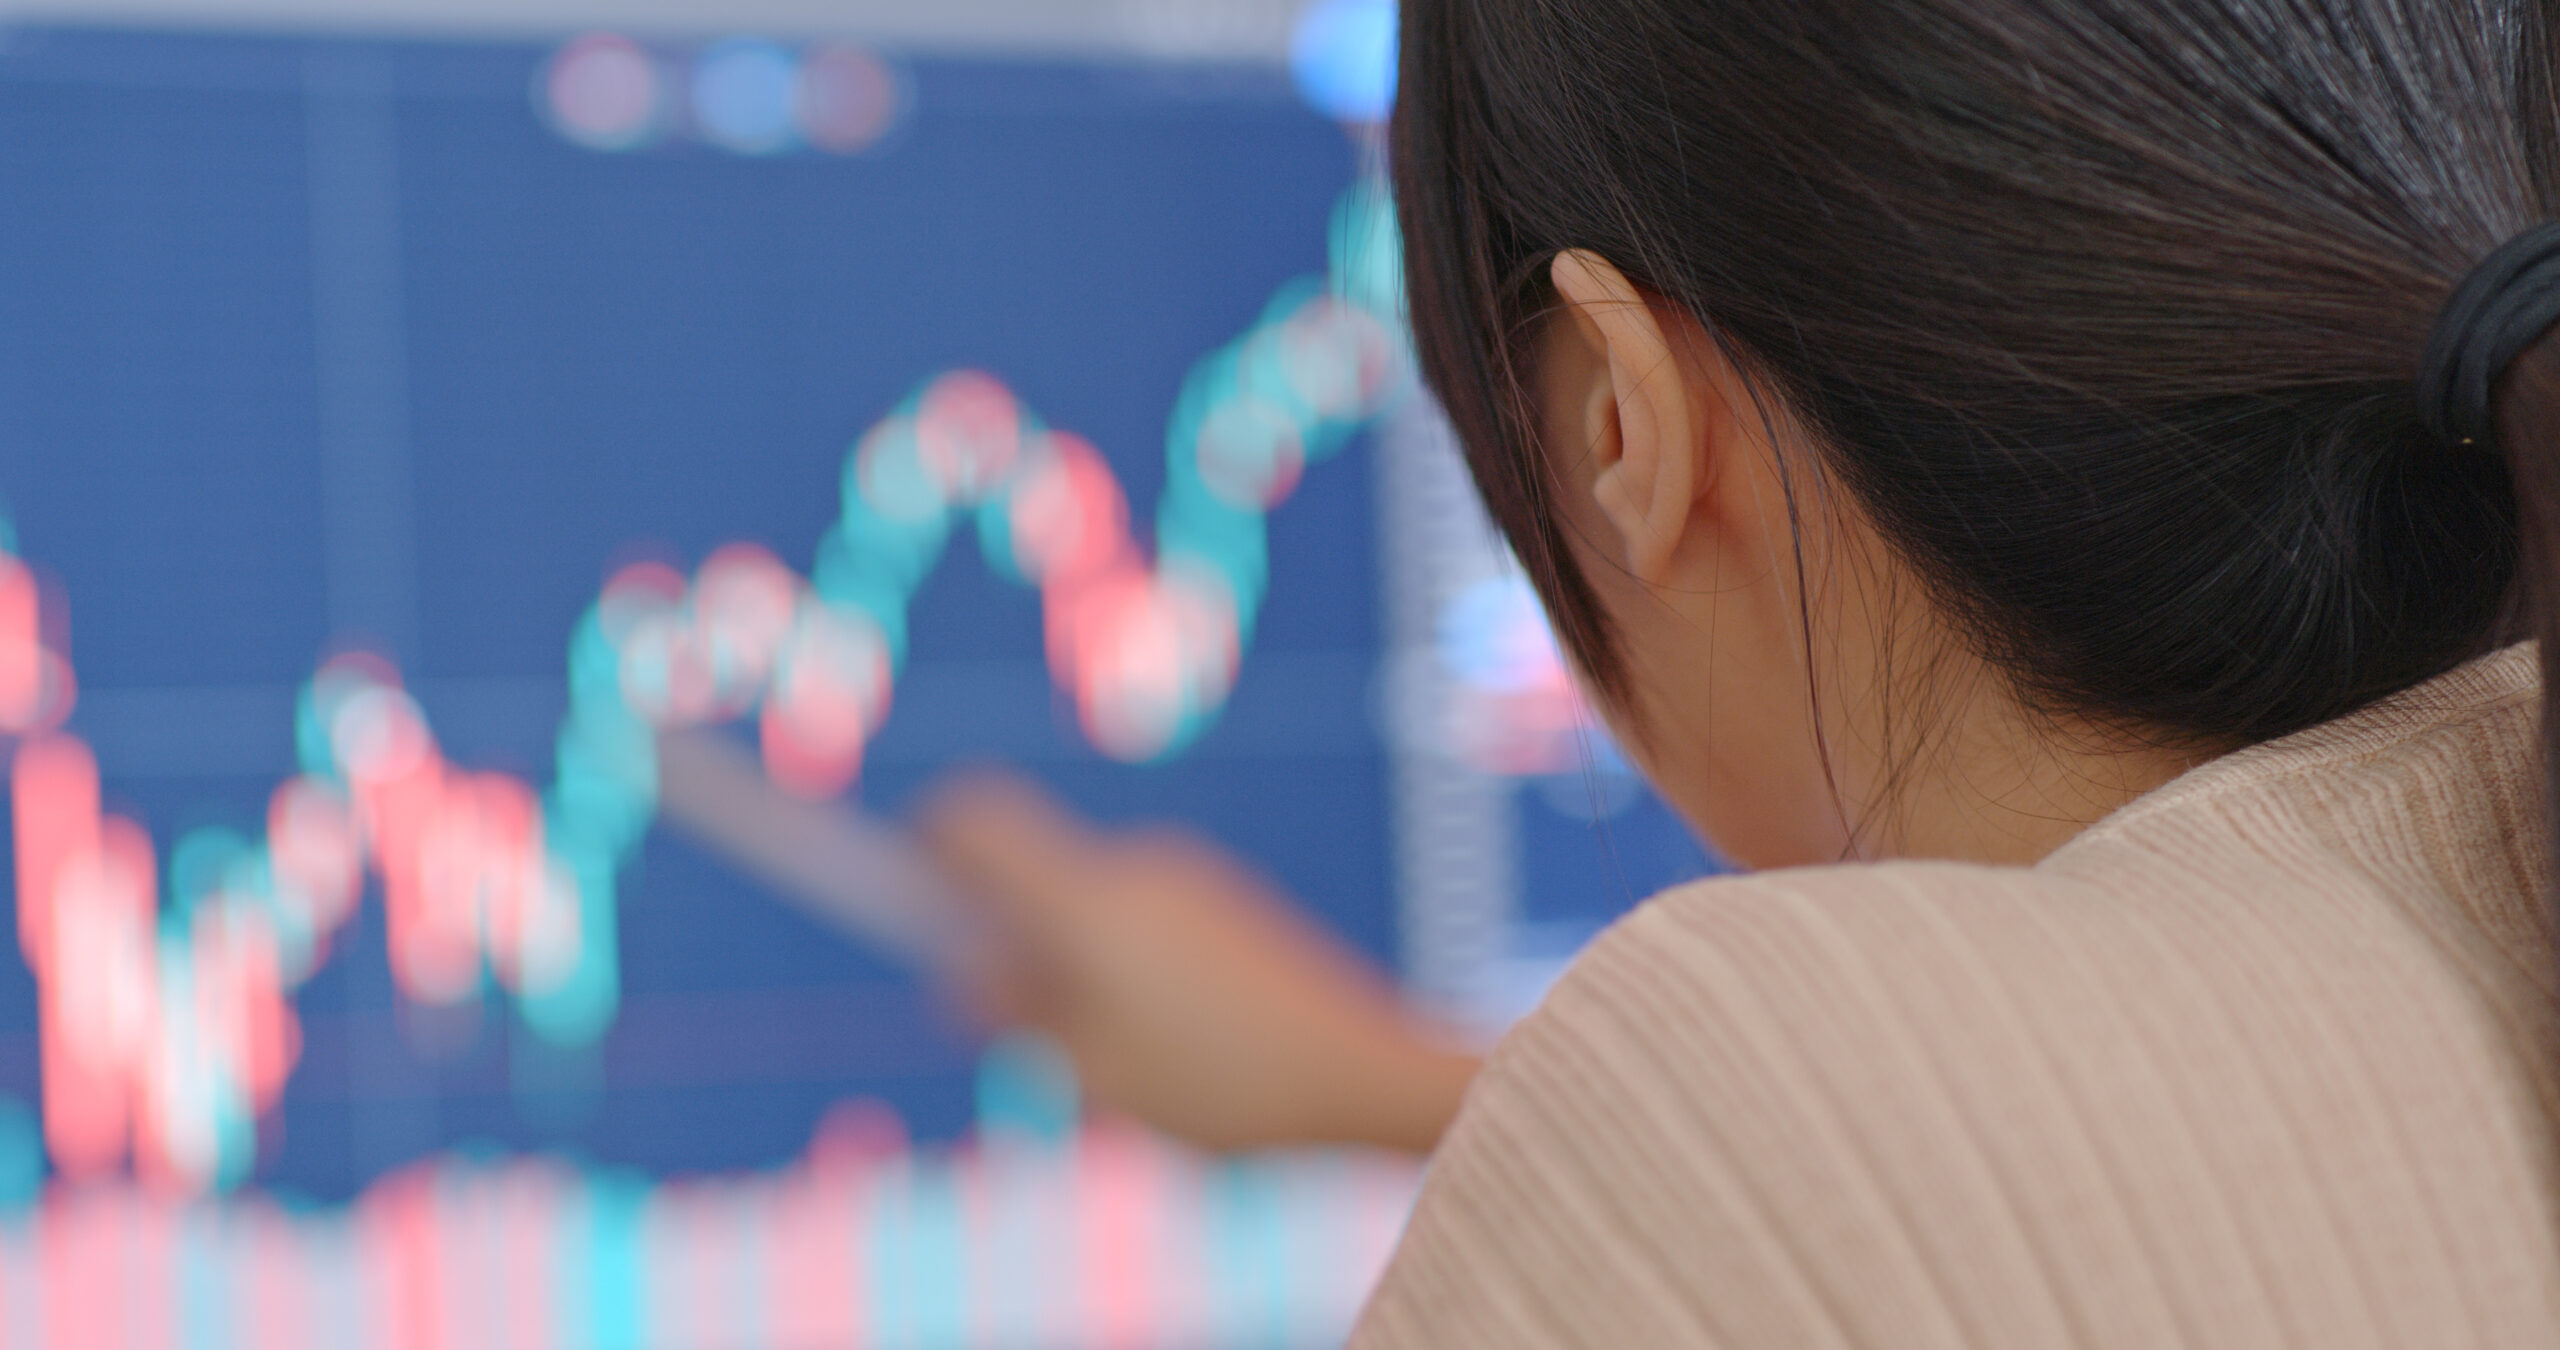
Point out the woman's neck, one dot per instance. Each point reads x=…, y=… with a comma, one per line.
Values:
x=1999, y=783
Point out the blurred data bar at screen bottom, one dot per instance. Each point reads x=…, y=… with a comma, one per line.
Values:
x=1106, y=1238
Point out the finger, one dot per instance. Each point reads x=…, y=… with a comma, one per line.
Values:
x=998, y=987
x=1012, y=845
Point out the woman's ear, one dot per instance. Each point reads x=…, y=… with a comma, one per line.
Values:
x=1636, y=412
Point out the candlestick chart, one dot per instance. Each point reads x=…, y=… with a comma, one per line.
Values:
x=391, y=455
x=173, y=1030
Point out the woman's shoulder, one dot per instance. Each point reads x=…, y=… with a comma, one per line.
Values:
x=1941, y=1105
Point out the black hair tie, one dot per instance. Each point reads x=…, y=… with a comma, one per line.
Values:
x=2507, y=303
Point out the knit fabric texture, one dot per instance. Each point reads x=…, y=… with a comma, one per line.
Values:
x=2260, y=1060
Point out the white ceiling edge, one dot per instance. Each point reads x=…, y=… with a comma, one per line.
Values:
x=1169, y=30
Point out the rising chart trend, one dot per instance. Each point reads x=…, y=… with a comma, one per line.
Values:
x=166, y=1033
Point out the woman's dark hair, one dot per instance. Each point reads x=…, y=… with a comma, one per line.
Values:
x=2107, y=313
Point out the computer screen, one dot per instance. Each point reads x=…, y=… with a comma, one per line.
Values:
x=394, y=433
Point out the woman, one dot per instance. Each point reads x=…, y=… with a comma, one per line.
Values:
x=2061, y=488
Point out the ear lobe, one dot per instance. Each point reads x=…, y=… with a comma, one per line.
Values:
x=1648, y=472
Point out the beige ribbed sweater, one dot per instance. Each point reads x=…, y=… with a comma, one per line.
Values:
x=2244, y=1065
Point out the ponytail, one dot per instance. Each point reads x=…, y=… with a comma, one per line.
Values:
x=2490, y=382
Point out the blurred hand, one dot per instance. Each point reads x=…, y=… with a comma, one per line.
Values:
x=1186, y=992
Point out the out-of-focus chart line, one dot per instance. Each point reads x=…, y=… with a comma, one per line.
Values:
x=166, y=981
x=167, y=1034
x=1297, y=704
